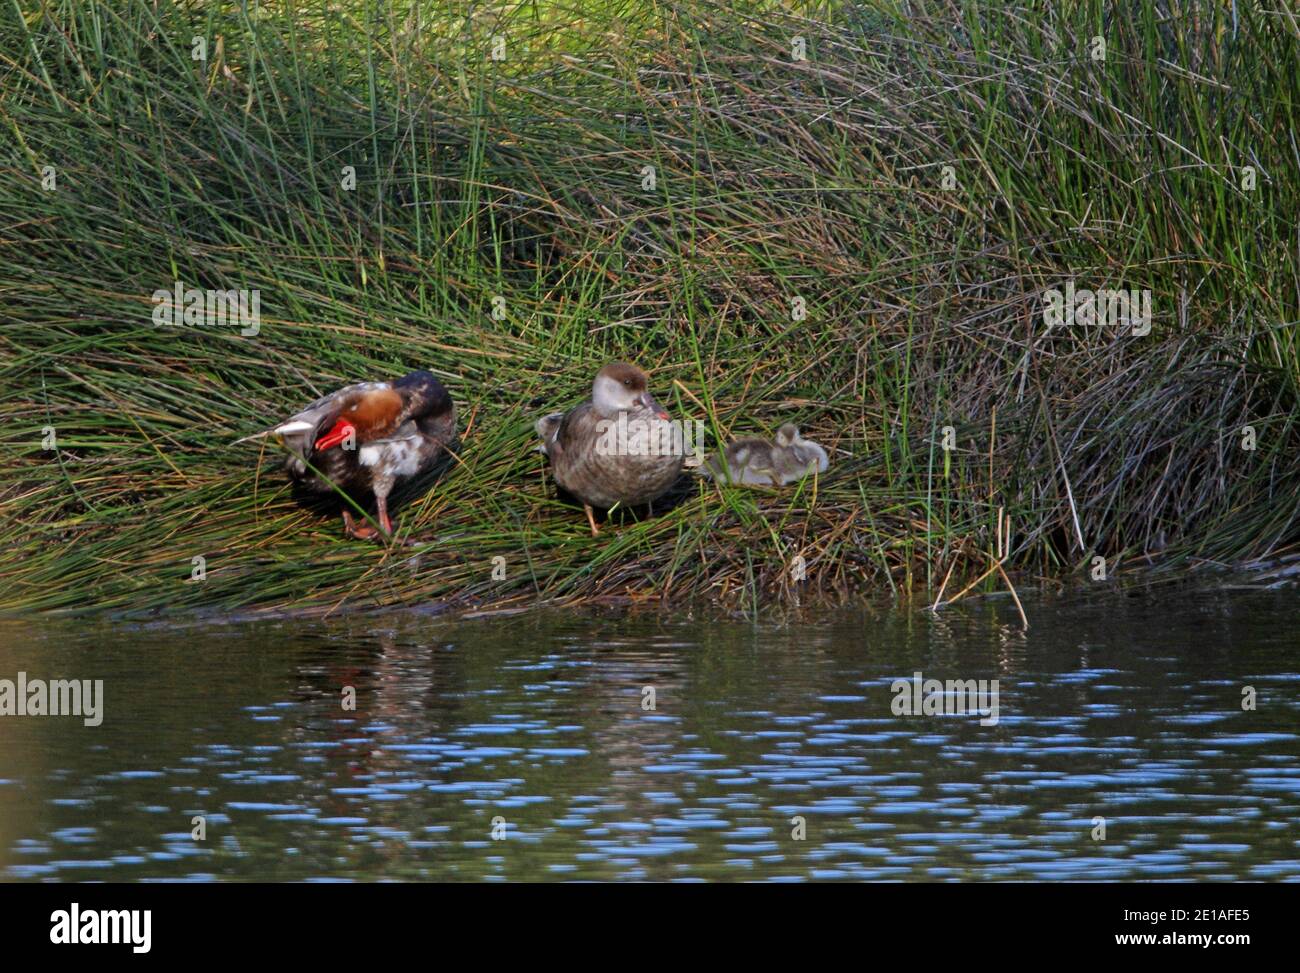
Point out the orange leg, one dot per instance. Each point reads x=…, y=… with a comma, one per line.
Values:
x=387, y=525
x=358, y=529
x=591, y=519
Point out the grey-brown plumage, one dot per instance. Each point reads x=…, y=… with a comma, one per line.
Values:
x=366, y=438
x=757, y=462
x=617, y=448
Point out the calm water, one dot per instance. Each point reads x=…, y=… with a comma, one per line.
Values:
x=1124, y=706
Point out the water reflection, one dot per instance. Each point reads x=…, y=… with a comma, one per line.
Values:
x=1122, y=707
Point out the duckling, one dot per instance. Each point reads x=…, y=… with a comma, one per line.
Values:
x=757, y=462
x=366, y=438
x=614, y=448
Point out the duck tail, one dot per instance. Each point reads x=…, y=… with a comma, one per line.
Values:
x=547, y=426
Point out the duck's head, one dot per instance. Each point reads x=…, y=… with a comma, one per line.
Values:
x=620, y=387
x=787, y=435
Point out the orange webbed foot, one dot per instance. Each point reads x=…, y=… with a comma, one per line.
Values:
x=359, y=530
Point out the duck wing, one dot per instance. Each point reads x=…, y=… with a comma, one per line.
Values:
x=579, y=429
x=301, y=429
x=567, y=434
x=740, y=458
x=812, y=456
x=803, y=459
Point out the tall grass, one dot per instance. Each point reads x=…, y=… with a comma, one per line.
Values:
x=917, y=181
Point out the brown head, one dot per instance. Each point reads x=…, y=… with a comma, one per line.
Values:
x=620, y=387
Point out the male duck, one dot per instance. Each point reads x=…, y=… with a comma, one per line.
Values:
x=757, y=462
x=366, y=438
x=615, y=449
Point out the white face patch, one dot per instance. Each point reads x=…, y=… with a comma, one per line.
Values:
x=611, y=396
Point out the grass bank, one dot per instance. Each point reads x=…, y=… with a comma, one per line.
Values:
x=669, y=183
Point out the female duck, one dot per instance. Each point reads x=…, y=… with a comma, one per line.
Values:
x=615, y=449
x=757, y=462
x=367, y=438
